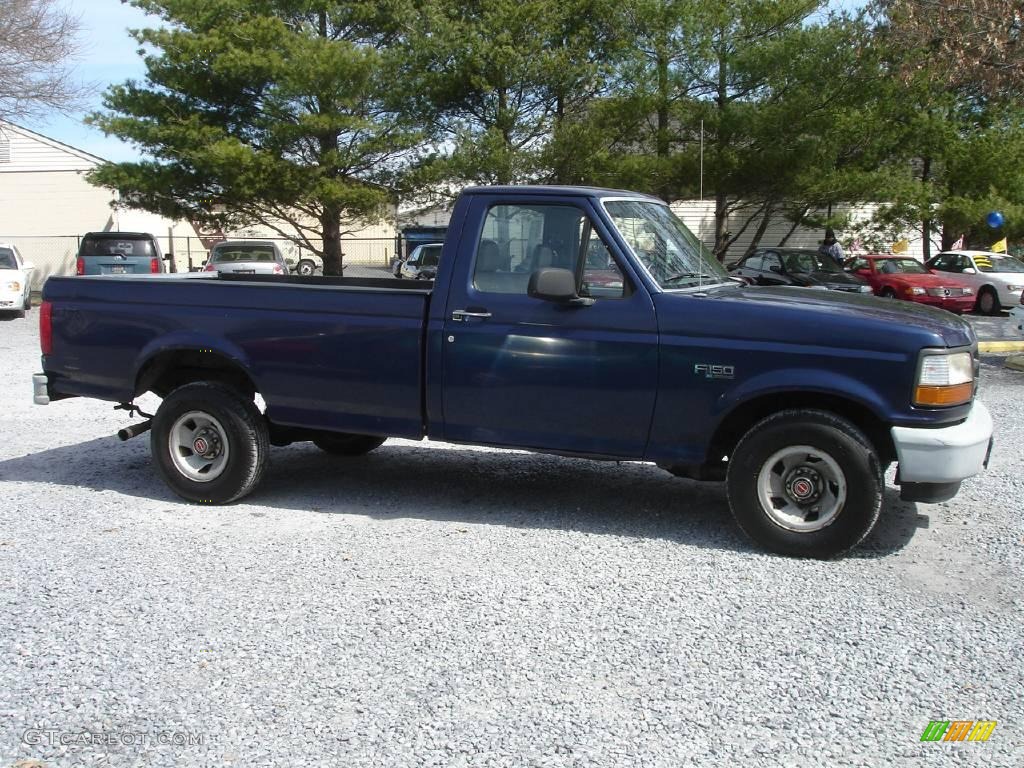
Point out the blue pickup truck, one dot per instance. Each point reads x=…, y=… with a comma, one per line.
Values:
x=567, y=320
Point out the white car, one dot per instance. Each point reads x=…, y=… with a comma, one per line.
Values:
x=15, y=281
x=997, y=279
x=247, y=257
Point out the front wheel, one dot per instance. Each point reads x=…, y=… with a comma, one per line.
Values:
x=805, y=484
x=306, y=267
x=888, y=293
x=344, y=444
x=209, y=443
x=988, y=302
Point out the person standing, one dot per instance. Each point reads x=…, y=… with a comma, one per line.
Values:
x=831, y=248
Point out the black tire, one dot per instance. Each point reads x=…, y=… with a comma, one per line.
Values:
x=242, y=431
x=344, y=444
x=988, y=302
x=888, y=293
x=860, y=479
x=306, y=267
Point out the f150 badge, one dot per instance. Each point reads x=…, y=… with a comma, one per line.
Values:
x=709, y=371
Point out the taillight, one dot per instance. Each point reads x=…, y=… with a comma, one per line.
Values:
x=278, y=269
x=80, y=266
x=209, y=267
x=46, y=327
x=154, y=265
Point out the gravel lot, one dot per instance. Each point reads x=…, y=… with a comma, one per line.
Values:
x=438, y=605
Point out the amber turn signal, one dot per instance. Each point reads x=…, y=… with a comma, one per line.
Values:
x=953, y=394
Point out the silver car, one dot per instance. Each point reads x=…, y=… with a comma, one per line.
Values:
x=997, y=279
x=247, y=257
x=422, y=262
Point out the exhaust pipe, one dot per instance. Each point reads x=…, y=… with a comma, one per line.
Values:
x=134, y=430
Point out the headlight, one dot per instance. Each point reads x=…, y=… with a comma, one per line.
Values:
x=865, y=289
x=913, y=290
x=944, y=379
x=1015, y=288
x=968, y=291
x=14, y=286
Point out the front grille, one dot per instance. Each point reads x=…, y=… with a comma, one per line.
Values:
x=941, y=292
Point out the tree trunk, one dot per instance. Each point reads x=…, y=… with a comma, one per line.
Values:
x=926, y=223
x=330, y=224
x=721, y=226
x=792, y=229
x=762, y=227
x=721, y=146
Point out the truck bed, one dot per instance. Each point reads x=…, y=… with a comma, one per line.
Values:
x=324, y=352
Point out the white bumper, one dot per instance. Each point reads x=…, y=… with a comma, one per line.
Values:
x=1017, y=319
x=11, y=299
x=946, y=454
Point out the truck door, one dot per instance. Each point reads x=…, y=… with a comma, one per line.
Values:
x=530, y=373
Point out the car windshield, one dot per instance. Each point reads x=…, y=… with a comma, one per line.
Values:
x=429, y=256
x=905, y=266
x=990, y=263
x=111, y=246
x=7, y=260
x=663, y=244
x=808, y=261
x=243, y=253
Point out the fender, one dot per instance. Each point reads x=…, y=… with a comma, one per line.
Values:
x=193, y=341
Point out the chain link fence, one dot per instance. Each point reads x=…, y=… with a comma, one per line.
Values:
x=56, y=254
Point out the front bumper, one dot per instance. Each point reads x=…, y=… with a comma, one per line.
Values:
x=950, y=303
x=945, y=455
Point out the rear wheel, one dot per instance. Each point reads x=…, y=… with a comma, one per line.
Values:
x=988, y=302
x=344, y=444
x=888, y=293
x=209, y=443
x=306, y=267
x=805, y=484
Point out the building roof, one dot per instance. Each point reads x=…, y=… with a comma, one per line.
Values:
x=59, y=145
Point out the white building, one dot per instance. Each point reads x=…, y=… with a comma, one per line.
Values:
x=46, y=204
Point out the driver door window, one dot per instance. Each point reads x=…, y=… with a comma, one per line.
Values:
x=517, y=240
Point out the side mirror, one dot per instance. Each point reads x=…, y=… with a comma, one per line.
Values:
x=557, y=285
x=969, y=271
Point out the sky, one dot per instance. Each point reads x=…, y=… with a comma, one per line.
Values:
x=109, y=57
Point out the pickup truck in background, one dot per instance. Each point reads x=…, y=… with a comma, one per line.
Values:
x=567, y=320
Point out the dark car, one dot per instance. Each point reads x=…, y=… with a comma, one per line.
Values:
x=118, y=253
x=803, y=267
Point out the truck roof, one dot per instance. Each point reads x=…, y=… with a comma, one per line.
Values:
x=563, y=191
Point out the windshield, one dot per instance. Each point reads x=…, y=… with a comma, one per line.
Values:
x=7, y=259
x=429, y=255
x=906, y=266
x=663, y=244
x=243, y=253
x=808, y=261
x=989, y=263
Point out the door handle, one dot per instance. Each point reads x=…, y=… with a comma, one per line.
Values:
x=461, y=314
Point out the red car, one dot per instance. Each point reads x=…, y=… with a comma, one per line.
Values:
x=903, y=277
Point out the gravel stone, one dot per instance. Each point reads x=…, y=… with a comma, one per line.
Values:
x=443, y=605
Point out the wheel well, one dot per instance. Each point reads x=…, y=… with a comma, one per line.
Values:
x=169, y=370
x=737, y=423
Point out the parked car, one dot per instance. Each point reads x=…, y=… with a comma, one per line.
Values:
x=119, y=253
x=906, y=278
x=997, y=279
x=803, y=267
x=422, y=262
x=799, y=400
x=15, y=281
x=247, y=257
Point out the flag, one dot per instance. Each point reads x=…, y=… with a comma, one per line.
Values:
x=999, y=247
x=900, y=246
x=958, y=245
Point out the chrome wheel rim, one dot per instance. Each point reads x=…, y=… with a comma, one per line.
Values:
x=198, y=446
x=801, y=488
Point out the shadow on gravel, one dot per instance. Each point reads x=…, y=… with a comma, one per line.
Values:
x=461, y=485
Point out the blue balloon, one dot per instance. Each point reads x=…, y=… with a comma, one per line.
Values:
x=995, y=219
